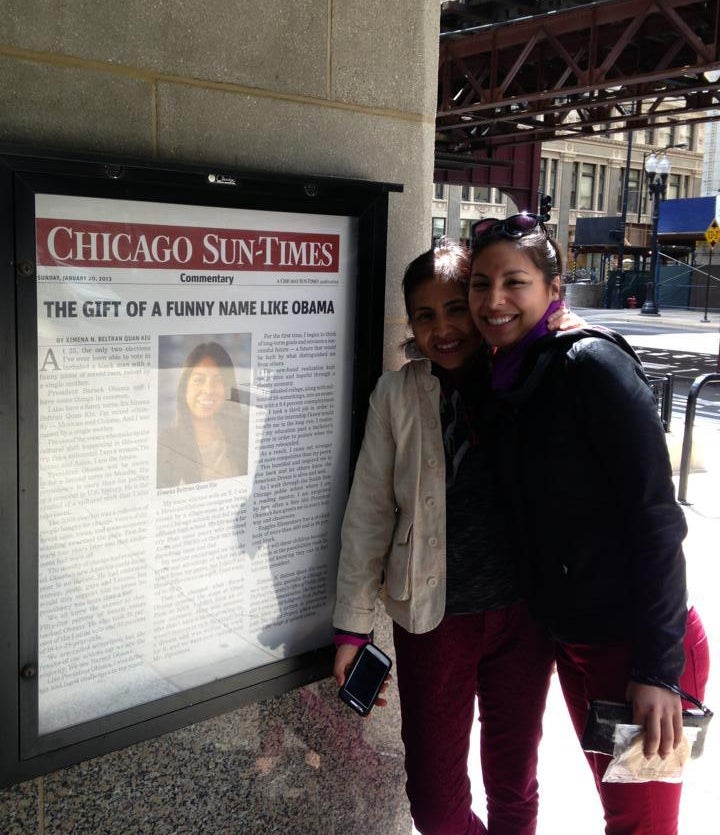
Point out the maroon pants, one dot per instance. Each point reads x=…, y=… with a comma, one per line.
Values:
x=504, y=659
x=589, y=672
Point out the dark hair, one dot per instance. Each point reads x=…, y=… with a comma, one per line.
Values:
x=448, y=260
x=206, y=350
x=541, y=249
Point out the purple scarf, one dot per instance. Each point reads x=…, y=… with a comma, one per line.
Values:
x=506, y=363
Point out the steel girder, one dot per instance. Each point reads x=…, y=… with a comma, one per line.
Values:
x=592, y=69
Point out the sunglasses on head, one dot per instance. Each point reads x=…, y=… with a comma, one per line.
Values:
x=515, y=226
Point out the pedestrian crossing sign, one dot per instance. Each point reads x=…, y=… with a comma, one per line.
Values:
x=712, y=233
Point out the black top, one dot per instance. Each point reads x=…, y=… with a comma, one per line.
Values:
x=481, y=573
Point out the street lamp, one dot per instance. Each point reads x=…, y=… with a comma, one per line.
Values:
x=657, y=170
x=682, y=145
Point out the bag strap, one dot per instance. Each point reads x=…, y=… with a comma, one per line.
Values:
x=656, y=682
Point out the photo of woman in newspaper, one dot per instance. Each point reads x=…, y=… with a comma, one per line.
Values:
x=208, y=438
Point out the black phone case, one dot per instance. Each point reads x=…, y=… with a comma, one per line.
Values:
x=348, y=698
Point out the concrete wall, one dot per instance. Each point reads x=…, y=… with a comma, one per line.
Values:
x=328, y=87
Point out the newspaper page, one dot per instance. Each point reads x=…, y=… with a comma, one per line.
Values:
x=194, y=390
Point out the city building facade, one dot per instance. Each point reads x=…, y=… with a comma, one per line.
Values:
x=586, y=179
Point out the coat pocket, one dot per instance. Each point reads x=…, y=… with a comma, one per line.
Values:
x=397, y=568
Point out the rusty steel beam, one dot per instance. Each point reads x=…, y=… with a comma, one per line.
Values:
x=586, y=59
x=599, y=113
x=568, y=22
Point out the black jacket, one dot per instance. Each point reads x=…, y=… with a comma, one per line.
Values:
x=583, y=459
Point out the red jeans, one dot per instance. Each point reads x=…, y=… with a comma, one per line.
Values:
x=589, y=672
x=504, y=659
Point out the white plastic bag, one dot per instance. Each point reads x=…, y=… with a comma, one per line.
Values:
x=629, y=764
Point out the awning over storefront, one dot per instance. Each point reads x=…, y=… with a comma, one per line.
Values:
x=597, y=231
x=604, y=234
x=689, y=216
x=681, y=221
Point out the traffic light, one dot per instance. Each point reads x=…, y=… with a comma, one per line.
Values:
x=545, y=206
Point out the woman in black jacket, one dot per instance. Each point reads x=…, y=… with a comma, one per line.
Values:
x=602, y=544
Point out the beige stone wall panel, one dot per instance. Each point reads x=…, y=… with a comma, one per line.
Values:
x=278, y=46
x=397, y=70
x=66, y=108
x=283, y=135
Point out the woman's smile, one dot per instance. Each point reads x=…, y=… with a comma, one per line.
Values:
x=207, y=403
x=448, y=347
x=499, y=321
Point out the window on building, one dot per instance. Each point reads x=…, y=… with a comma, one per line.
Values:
x=548, y=177
x=633, y=187
x=663, y=137
x=439, y=191
x=552, y=179
x=673, y=187
x=586, y=191
x=602, y=172
x=438, y=227
x=483, y=194
x=465, y=225
x=465, y=194
x=574, y=185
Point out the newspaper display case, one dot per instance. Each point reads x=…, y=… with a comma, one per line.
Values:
x=189, y=352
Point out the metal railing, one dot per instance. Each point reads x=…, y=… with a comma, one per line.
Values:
x=662, y=388
x=688, y=433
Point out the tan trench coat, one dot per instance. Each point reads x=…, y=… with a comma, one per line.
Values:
x=393, y=533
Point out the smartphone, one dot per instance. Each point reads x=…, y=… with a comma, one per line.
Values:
x=367, y=673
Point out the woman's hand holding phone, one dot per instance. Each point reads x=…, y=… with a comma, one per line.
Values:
x=362, y=689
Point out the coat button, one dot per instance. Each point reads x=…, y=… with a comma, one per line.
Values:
x=430, y=385
x=432, y=462
x=432, y=582
x=430, y=501
x=432, y=541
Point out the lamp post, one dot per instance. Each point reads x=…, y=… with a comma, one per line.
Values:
x=682, y=145
x=657, y=170
x=616, y=299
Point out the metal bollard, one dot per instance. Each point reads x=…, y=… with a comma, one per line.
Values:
x=686, y=454
x=662, y=387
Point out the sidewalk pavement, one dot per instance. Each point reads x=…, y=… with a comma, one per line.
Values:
x=701, y=337
x=681, y=317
